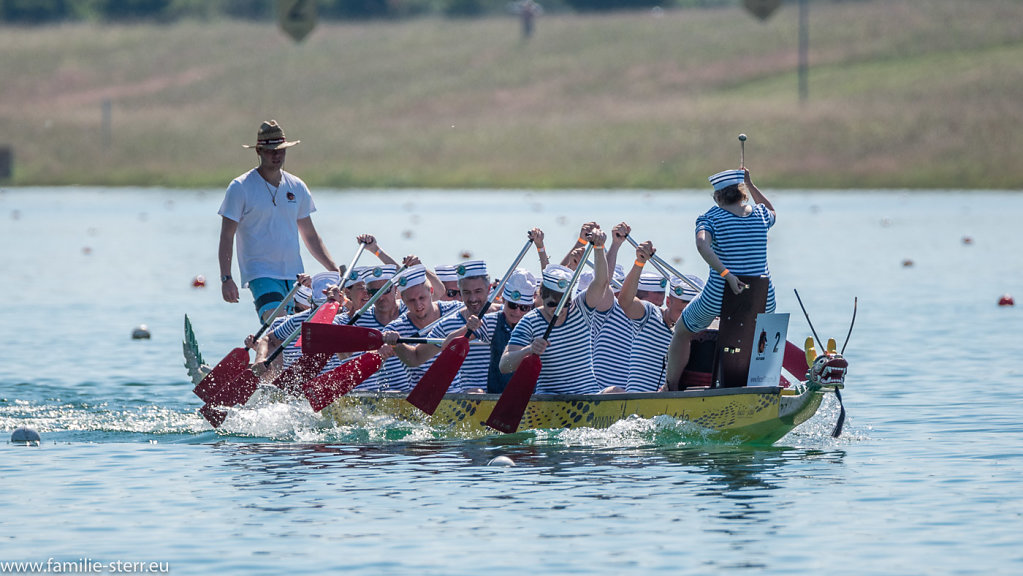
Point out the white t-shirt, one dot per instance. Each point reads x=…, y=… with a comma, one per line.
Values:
x=267, y=237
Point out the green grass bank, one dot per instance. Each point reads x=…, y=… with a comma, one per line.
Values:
x=902, y=94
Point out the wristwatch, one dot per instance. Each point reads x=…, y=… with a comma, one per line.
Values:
x=225, y=278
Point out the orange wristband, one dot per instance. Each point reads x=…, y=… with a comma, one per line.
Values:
x=725, y=272
x=583, y=241
x=639, y=263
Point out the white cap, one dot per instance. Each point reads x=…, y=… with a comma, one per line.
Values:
x=357, y=275
x=557, y=277
x=413, y=276
x=652, y=282
x=303, y=296
x=727, y=178
x=471, y=269
x=683, y=291
x=446, y=273
x=383, y=272
x=321, y=282
x=520, y=287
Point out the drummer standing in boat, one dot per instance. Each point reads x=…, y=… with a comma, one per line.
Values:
x=267, y=209
x=732, y=238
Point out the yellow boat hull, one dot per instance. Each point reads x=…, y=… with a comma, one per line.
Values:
x=755, y=415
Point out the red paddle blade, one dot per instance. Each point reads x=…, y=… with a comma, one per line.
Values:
x=435, y=383
x=223, y=373
x=512, y=404
x=323, y=315
x=307, y=366
x=237, y=391
x=334, y=339
x=214, y=415
x=326, y=388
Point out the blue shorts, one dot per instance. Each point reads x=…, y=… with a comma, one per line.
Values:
x=267, y=294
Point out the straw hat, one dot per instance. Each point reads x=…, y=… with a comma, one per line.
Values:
x=271, y=137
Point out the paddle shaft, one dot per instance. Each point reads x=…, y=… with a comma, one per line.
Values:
x=504, y=280
x=661, y=262
x=358, y=254
x=564, y=297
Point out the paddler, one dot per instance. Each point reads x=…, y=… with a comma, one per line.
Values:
x=732, y=238
x=449, y=277
x=519, y=297
x=641, y=298
x=267, y=209
x=384, y=311
x=422, y=309
x=614, y=333
x=567, y=354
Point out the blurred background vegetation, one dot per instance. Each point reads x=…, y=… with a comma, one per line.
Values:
x=166, y=11
x=393, y=93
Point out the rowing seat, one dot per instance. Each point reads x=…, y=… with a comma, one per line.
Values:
x=735, y=333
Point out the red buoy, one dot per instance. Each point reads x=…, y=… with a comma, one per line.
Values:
x=907, y=263
x=1006, y=300
x=967, y=240
x=199, y=281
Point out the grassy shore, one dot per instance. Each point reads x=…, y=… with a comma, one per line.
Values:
x=901, y=94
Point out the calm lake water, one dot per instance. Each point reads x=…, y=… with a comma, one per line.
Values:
x=926, y=478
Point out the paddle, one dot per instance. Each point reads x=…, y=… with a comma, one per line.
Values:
x=666, y=270
x=341, y=280
x=325, y=390
x=338, y=339
x=236, y=360
x=435, y=383
x=512, y=404
x=241, y=388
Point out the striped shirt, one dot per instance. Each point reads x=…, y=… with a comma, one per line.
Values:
x=473, y=373
x=740, y=242
x=404, y=327
x=294, y=351
x=612, y=342
x=282, y=328
x=649, y=350
x=568, y=359
x=391, y=375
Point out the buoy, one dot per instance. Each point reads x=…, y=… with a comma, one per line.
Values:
x=407, y=234
x=967, y=240
x=1006, y=300
x=26, y=436
x=907, y=263
x=86, y=250
x=501, y=461
x=466, y=254
x=199, y=281
x=141, y=332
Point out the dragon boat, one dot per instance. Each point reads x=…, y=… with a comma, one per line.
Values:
x=759, y=414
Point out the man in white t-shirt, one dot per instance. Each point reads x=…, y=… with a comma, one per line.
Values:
x=267, y=209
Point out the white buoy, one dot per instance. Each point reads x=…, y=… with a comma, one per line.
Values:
x=25, y=436
x=141, y=332
x=501, y=461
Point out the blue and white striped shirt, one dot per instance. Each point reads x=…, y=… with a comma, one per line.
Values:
x=649, y=349
x=568, y=359
x=740, y=242
x=390, y=376
x=404, y=326
x=473, y=373
x=282, y=328
x=612, y=343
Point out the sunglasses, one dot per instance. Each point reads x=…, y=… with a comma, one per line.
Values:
x=373, y=291
x=453, y=292
x=523, y=307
